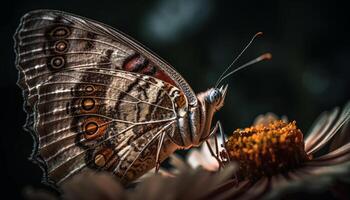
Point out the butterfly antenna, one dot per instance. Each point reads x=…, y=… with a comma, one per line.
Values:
x=239, y=55
x=266, y=56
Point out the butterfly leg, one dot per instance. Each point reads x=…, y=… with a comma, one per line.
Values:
x=223, y=145
x=160, y=144
x=225, y=156
x=216, y=154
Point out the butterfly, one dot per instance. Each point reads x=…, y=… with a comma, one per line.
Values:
x=96, y=99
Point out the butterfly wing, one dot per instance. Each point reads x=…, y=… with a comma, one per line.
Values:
x=49, y=40
x=94, y=98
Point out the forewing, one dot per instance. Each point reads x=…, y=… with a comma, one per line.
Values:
x=48, y=41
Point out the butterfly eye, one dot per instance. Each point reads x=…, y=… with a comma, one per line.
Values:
x=214, y=96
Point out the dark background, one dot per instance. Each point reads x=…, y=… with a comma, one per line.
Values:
x=309, y=72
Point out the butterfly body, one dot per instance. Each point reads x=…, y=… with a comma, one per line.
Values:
x=96, y=99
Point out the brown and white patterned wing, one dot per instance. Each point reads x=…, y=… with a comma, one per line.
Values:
x=102, y=120
x=61, y=58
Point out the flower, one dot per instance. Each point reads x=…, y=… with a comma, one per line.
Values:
x=267, y=149
x=273, y=158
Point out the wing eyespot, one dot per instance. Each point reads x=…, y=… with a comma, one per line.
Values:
x=61, y=46
x=57, y=62
x=89, y=89
x=93, y=128
x=88, y=104
x=100, y=160
x=60, y=32
x=102, y=157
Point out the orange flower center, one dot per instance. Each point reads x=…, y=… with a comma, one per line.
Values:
x=266, y=150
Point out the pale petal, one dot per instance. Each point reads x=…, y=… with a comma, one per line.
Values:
x=329, y=129
x=320, y=128
x=203, y=158
x=337, y=156
x=196, y=159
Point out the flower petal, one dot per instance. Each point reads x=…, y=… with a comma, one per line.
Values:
x=279, y=183
x=257, y=190
x=265, y=119
x=230, y=189
x=310, y=179
x=188, y=184
x=338, y=156
x=196, y=159
x=341, y=138
x=210, y=181
x=326, y=128
x=202, y=157
x=319, y=128
x=92, y=185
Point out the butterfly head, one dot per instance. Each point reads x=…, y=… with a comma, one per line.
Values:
x=210, y=102
x=215, y=97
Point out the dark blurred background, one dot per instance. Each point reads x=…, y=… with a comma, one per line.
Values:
x=309, y=72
